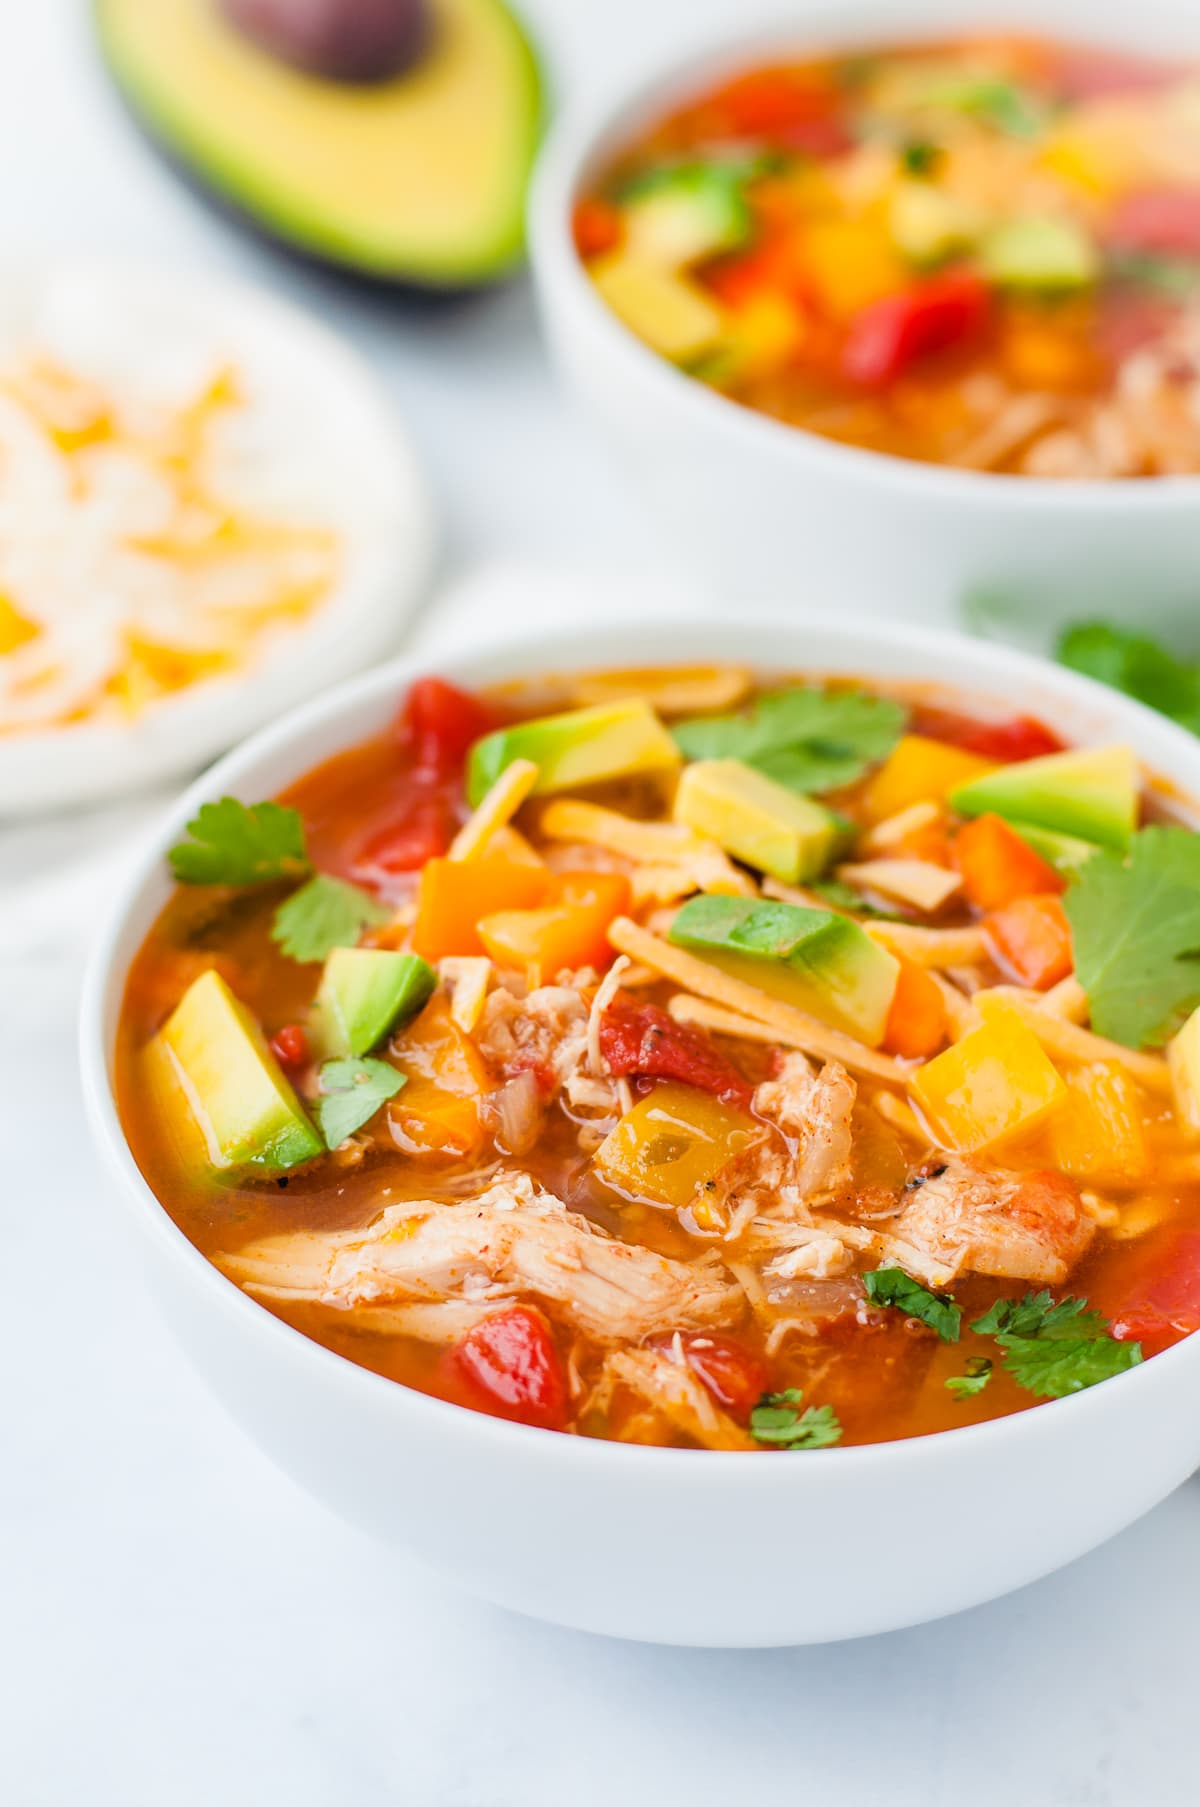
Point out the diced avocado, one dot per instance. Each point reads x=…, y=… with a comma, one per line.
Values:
x=1183, y=1059
x=822, y=963
x=758, y=821
x=1062, y=851
x=667, y=311
x=928, y=224
x=682, y=215
x=1091, y=794
x=365, y=993
x=1040, y=253
x=417, y=179
x=582, y=746
x=234, y=1088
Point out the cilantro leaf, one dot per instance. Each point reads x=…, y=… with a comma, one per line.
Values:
x=892, y=1286
x=805, y=738
x=1175, y=277
x=236, y=843
x=1136, y=665
x=776, y=1421
x=968, y=1385
x=1038, y=1315
x=1053, y=1366
x=1135, y=926
x=323, y=914
x=351, y=1092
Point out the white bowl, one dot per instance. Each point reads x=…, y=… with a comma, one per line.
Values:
x=756, y=507
x=863, y=1539
x=343, y=462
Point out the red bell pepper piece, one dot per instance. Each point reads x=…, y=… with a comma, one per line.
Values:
x=1162, y=1304
x=289, y=1045
x=511, y=1362
x=1008, y=741
x=1031, y=939
x=787, y=105
x=736, y=1378
x=888, y=337
x=642, y=1039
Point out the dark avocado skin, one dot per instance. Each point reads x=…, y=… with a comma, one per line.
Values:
x=416, y=293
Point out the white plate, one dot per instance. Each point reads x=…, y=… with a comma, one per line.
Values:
x=347, y=460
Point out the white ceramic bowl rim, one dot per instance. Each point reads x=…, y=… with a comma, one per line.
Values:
x=585, y=135
x=1164, y=746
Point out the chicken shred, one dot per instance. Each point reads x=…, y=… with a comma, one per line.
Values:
x=673, y=1393
x=1014, y=1226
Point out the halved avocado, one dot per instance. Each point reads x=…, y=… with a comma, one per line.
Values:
x=418, y=180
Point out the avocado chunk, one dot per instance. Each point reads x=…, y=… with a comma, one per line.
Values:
x=365, y=993
x=417, y=180
x=1062, y=851
x=232, y=1084
x=681, y=215
x=756, y=820
x=1040, y=254
x=1090, y=794
x=927, y=224
x=822, y=963
x=667, y=310
x=582, y=746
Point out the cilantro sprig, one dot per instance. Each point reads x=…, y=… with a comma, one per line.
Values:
x=351, y=1093
x=804, y=737
x=1137, y=666
x=971, y=1384
x=323, y=914
x=1053, y=1349
x=778, y=1422
x=1135, y=927
x=892, y=1286
x=243, y=844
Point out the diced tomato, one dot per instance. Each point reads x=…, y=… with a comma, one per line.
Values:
x=642, y=1039
x=510, y=1361
x=735, y=1377
x=440, y=722
x=1030, y=938
x=289, y=1045
x=783, y=104
x=891, y=335
x=1163, y=220
x=1162, y=1302
x=998, y=867
x=916, y=1025
x=596, y=226
x=776, y=266
x=1129, y=317
x=1018, y=738
x=1089, y=74
x=422, y=832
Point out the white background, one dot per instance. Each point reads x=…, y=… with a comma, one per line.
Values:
x=179, y=1627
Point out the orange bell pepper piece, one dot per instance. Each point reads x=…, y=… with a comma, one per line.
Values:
x=438, y=1109
x=916, y=1025
x=454, y=894
x=596, y=227
x=1031, y=938
x=997, y=866
x=563, y=935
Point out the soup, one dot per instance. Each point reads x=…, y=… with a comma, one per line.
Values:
x=982, y=253
x=661, y=1057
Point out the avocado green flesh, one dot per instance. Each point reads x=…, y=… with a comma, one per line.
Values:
x=820, y=962
x=365, y=993
x=756, y=820
x=1090, y=795
x=420, y=179
x=230, y=1084
x=581, y=746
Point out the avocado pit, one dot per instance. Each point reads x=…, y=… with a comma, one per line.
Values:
x=354, y=41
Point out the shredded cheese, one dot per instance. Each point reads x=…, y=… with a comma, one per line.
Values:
x=495, y=810
x=917, y=882
x=930, y=947
x=606, y=991
x=468, y=977
x=895, y=829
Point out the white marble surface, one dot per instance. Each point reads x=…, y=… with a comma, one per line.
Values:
x=178, y=1625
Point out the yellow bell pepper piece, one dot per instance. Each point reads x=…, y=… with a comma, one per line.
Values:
x=994, y=1082
x=674, y=1145
x=766, y=332
x=15, y=628
x=851, y=263
x=1098, y=1131
x=918, y=770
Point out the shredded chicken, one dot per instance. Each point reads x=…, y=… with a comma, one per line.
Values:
x=514, y=1238
x=672, y=1391
x=1028, y=1226
x=814, y=1111
x=545, y=1033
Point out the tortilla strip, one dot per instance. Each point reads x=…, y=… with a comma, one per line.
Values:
x=495, y=810
x=930, y=947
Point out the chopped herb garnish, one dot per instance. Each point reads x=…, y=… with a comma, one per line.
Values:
x=1053, y=1349
x=777, y=1421
x=892, y=1286
x=1136, y=665
x=920, y=158
x=968, y=1385
x=804, y=737
x=351, y=1092
x=1135, y=927
x=323, y=914
x=1176, y=278
x=236, y=843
